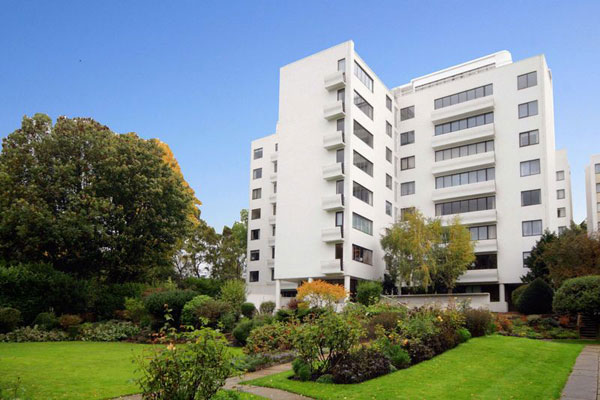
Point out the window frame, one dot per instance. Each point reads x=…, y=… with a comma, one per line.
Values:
x=259, y=149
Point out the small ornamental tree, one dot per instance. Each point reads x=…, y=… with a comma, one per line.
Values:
x=536, y=298
x=579, y=295
x=321, y=294
x=368, y=292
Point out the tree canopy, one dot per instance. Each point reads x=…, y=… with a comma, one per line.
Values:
x=90, y=202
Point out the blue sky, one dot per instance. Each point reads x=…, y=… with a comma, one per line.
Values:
x=203, y=76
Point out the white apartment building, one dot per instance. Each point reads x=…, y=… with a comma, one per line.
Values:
x=351, y=155
x=592, y=194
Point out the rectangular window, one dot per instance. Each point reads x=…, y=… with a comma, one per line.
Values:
x=465, y=178
x=560, y=194
x=407, y=113
x=256, y=193
x=407, y=163
x=341, y=65
x=598, y=207
x=362, y=224
x=274, y=187
x=363, y=164
x=363, y=134
x=531, y=197
x=388, y=129
x=407, y=188
x=339, y=155
x=340, y=125
x=461, y=97
x=339, y=187
x=339, y=218
x=388, y=103
x=388, y=154
x=485, y=232
x=362, y=193
x=341, y=95
x=528, y=109
x=527, y=80
x=255, y=214
x=274, y=209
x=405, y=211
x=531, y=167
x=362, y=255
x=485, y=261
x=465, y=206
x=526, y=255
x=339, y=251
x=388, y=181
x=362, y=105
x=597, y=187
x=253, y=277
x=407, y=138
x=275, y=166
x=255, y=234
x=561, y=212
x=388, y=208
x=597, y=168
x=362, y=76
x=560, y=175
x=562, y=229
x=257, y=173
x=529, y=138
x=464, y=151
x=465, y=123
x=258, y=153
x=254, y=255
x=532, y=228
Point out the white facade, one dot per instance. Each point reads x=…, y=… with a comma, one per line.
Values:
x=341, y=167
x=592, y=194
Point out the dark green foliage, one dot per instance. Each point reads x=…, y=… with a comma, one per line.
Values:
x=243, y=328
x=360, y=365
x=327, y=378
x=579, y=295
x=226, y=395
x=399, y=357
x=10, y=319
x=248, y=310
x=267, y=307
x=45, y=321
x=104, y=299
x=516, y=294
x=418, y=351
x=284, y=315
x=302, y=370
x=477, y=321
x=90, y=202
x=189, y=314
x=536, y=298
x=175, y=301
x=535, y=262
x=205, y=286
x=36, y=288
x=110, y=331
x=368, y=292
x=463, y=335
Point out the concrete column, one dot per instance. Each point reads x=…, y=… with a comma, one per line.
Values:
x=502, y=295
x=277, y=294
x=347, y=283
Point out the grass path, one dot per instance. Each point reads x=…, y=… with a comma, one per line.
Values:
x=493, y=367
x=71, y=370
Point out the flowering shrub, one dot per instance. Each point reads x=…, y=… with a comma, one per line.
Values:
x=110, y=331
x=321, y=294
x=270, y=338
x=195, y=371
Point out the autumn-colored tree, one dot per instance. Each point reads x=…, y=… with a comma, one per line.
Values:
x=321, y=294
x=455, y=254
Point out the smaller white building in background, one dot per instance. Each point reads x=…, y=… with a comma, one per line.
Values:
x=592, y=192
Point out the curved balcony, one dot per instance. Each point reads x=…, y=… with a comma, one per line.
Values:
x=463, y=110
x=334, y=81
x=332, y=235
x=334, y=141
x=333, y=203
x=464, y=136
x=334, y=110
x=333, y=172
x=479, y=276
x=332, y=267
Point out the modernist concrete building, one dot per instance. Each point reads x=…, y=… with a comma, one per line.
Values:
x=350, y=156
x=592, y=193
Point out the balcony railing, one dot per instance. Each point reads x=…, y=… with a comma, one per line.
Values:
x=332, y=267
x=334, y=110
x=332, y=235
x=333, y=203
x=334, y=141
x=336, y=80
x=333, y=171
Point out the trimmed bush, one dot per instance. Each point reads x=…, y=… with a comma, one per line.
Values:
x=269, y=338
x=463, y=335
x=302, y=370
x=361, y=365
x=242, y=330
x=399, y=357
x=67, y=321
x=477, y=321
x=368, y=292
x=175, y=301
x=516, y=294
x=248, y=310
x=10, y=319
x=536, y=298
x=267, y=307
x=46, y=321
x=418, y=351
x=189, y=313
x=578, y=295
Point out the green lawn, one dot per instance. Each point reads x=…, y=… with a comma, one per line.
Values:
x=72, y=370
x=493, y=367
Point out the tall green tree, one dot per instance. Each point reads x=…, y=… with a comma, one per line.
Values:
x=535, y=262
x=199, y=251
x=230, y=262
x=88, y=201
